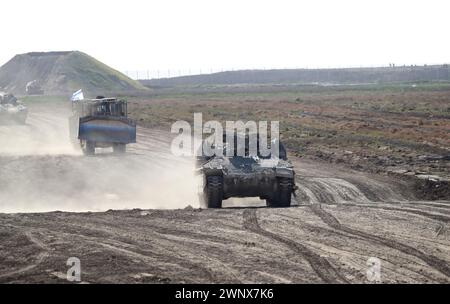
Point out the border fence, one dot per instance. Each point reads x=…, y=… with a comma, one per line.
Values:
x=390, y=72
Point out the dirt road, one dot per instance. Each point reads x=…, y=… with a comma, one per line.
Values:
x=342, y=219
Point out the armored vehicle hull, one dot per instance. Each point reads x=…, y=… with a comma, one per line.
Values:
x=272, y=180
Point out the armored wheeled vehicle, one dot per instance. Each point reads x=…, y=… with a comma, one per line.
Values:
x=12, y=111
x=271, y=178
x=102, y=123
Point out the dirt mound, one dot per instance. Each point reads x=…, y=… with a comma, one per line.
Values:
x=63, y=73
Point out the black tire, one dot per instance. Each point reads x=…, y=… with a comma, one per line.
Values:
x=119, y=148
x=285, y=192
x=214, y=192
x=283, y=196
x=89, y=148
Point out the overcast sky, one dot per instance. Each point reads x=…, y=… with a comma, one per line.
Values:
x=191, y=34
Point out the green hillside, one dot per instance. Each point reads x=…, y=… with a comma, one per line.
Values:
x=63, y=73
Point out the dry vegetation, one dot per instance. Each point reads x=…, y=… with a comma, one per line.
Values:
x=316, y=241
x=398, y=129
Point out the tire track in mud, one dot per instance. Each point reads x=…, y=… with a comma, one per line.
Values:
x=321, y=186
x=433, y=216
x=433, y=261
x=427, y=206
x=320, y=265
x=120, y=247
x=39, y=258
x=151, y=260
x=134, y=251
x=180, y=258
x=330, y=190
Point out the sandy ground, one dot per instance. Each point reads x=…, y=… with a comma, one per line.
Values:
x=342, y=218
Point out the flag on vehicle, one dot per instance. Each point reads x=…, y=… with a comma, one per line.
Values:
x=78, y=95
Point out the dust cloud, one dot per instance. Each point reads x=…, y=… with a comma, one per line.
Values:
x=41, y=170
x=45, y=133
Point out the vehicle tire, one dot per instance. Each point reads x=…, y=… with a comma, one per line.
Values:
x=89, y=149
x=285, y=192
x=283, y=196
x=214, y=192
x=119, y=148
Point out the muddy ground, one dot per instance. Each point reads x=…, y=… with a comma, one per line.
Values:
x=340, y=220
x=397, y=129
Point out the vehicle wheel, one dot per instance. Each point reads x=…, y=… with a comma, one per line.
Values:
x=89, y=148
x=119, y=148
x=283, y=196
x=285, y=192
x=214, y=192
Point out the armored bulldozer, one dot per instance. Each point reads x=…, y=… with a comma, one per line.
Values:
x=12, y=111
x=271, y=178
x=101, y=123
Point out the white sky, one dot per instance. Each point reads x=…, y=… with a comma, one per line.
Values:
x=191, y=34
